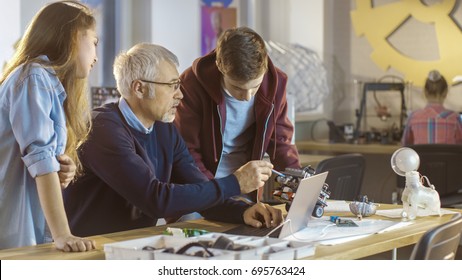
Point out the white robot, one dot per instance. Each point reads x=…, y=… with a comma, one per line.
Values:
x=405, y=162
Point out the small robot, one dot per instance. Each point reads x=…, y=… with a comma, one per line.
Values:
x=405, y=162
x=287, y=184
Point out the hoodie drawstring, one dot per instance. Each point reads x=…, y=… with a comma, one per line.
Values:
x=213, y=134
x=274, y=122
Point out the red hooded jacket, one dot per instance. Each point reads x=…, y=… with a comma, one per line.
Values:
x=201, y=117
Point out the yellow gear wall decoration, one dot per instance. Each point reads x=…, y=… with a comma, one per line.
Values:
x=378, y=23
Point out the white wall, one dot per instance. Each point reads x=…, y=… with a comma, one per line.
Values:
x=29, y=8
x=176, y=26
x=9, y=28
x=306, y=26
x=16, y=15
x=289, y=21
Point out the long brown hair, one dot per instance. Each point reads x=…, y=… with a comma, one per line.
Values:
x=54, y=32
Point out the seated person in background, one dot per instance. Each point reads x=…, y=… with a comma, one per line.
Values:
x=235, y=107
x=433, y=124
x=137, y=167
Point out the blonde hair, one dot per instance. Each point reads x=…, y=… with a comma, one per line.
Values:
x=54, y=32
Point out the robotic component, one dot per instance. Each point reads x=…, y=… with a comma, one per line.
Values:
x=288, y=183
x=405, y=162
x=318, y=210
x=342, y=222
x=363, y=208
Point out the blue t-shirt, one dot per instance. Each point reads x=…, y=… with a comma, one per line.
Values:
x=238, y=136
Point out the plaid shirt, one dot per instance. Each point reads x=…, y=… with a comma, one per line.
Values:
x=433, y=125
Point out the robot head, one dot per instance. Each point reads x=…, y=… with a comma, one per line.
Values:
x=404, y=160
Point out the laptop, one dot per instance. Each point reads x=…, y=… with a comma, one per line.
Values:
x=299, y=212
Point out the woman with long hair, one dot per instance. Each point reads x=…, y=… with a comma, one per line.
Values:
x=44, y=116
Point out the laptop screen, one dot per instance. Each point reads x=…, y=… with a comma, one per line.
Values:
x=299, y=213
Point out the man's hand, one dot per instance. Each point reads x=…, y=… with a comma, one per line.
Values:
x=262, y=214
x=253, y=175
x=66, y=171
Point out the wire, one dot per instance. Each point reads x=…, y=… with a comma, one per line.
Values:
x=276, y=228
x=422, y=180
x=323, y=231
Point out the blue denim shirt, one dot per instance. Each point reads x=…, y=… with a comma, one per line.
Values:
x=32, y=132
x=131, y=118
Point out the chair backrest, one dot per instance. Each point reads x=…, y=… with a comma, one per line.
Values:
x=441, y=242
x=345, y=176
x=441, y=163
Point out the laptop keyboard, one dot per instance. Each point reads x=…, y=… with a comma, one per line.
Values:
x=253, y=231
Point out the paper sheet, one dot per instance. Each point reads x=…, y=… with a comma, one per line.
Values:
x=396, y=213
x=323, y=231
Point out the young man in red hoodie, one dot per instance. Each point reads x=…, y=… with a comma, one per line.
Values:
x=234, y=108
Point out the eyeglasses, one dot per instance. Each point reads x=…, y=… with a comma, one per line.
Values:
x=173, y=85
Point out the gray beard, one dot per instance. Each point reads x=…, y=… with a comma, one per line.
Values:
x=168, y=118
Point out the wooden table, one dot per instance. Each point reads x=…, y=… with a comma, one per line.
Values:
x=367, y=246
x=312, y=147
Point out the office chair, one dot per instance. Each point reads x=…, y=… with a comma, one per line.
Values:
x=345, y=176
x=441, y=242
x=442, y=164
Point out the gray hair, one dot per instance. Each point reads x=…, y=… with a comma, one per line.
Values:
x=140, y=62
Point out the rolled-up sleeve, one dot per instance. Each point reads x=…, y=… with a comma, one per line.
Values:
x=43, y=162
x=38, y=123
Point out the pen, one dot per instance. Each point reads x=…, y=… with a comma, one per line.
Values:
x=278, y=173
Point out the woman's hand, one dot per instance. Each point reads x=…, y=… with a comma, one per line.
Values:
x=72, y=243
